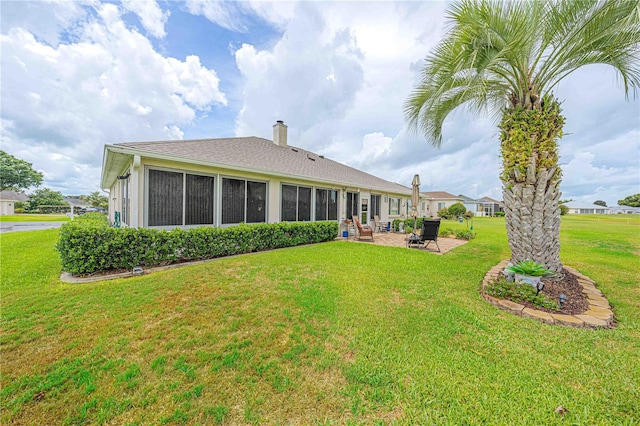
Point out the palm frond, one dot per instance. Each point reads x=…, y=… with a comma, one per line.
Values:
x=495, y=52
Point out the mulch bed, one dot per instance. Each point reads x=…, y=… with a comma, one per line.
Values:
x=565, y=283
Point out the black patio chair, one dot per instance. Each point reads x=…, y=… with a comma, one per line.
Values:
x=430, y=228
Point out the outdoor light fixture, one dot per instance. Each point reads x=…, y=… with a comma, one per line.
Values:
x=124, y=176
x=563, y=299
x=137, y=271
x=539, y=287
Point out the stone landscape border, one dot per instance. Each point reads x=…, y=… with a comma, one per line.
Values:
x=599, y=314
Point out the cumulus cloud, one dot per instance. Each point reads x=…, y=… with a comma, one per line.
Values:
x=391, y=40
x=65, y=101
x=76, y=75
x=151, y=16
x=229, y=15
x=309, y=79
x=338, y=73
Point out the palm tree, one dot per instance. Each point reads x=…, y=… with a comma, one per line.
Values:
x=508, y=57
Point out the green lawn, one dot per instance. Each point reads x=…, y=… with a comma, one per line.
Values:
x=35, y=218
x=332, y=333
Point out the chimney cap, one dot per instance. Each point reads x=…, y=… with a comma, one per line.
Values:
x=280, y=121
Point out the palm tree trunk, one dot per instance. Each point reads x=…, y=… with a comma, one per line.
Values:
x=531, y=180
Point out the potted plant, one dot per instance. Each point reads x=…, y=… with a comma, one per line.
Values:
x=529, y=272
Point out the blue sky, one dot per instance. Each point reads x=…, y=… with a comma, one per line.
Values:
x=79, y=75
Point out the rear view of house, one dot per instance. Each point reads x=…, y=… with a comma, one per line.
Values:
x=223, y=182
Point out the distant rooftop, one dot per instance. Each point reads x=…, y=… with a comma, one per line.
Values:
x=441, y=195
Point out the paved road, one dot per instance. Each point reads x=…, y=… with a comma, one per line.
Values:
x=28, y=226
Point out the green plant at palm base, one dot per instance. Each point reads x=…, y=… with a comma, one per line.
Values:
x=530, y=268
x=518, y=292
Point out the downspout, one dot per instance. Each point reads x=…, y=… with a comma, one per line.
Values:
x=135, y=193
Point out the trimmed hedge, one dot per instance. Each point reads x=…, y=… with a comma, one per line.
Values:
x=87, y=244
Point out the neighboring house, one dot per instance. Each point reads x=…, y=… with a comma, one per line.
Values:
x=472, y=205
x=624, y=210
x=437, y=200
x=586, y=208
x=8, y=202
x=76, y=203
x=488, y=206
x=223, y=182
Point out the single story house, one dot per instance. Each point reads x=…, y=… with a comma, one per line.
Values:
x=586, y=208
x=471, y=205
x=8, y=202
x=488, y=206
x=77, y=203
x=227, y=181
x=436, y=200
x=624, y=210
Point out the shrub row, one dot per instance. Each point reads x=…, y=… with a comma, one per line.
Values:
x=87, y=244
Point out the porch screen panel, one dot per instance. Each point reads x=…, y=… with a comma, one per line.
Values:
x=375, y=206
x=322, y=203
x=332, y=205
x=199, y=200
x=126, y=203
x=233, y=199
x=289, y=203
x=352, y=205
x=256, y=202
x=165, y=198
x=304, y=204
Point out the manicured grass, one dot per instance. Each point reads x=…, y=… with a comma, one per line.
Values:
x=35, y=218
x=326, y=334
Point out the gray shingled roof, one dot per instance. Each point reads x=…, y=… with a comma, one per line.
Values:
x=253, y=153
x=12, y=196
x=440, y=195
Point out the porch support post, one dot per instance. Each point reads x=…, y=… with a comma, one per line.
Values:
x=136, y=207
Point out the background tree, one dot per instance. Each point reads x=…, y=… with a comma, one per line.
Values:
x=457, y=209
x=509, y=57
x=631, y=201
x=600, y=203
x=17, y=175
x=98, y=200
x=563, y=209
x=48, y=198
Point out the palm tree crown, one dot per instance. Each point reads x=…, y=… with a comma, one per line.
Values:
x=499, y=54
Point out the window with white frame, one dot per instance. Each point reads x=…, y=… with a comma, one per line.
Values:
x=394, y=206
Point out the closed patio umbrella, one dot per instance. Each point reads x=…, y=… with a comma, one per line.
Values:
x=415, y=199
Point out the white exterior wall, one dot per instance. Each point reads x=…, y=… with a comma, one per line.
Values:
x=7, y=208
x=433, y=206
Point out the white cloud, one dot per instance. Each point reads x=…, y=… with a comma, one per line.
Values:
x=75, y=75
x=151, y=16
x=109, y=85
x=338, y=73
x=228, y=15
x=291, y=82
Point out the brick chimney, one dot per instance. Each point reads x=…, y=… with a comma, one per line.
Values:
x=280, y=133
